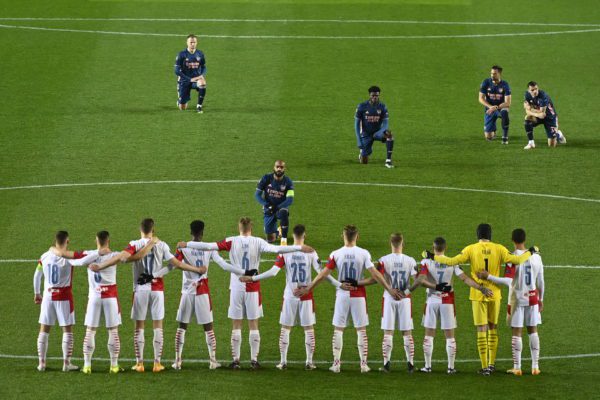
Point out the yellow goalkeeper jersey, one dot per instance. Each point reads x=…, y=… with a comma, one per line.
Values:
x=487, y=256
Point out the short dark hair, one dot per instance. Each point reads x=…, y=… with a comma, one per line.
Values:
x=484, y=231
x=299, y=230
x=350, y=232
x=497, y=68
x=518, y=236
x=374, y=89
x=197, y=228
x=147, y=225
x=103, y=237
x=61, y=237
x=396, y=239
x=245, y=224
x=531, y=83
x=191, y=35
x=439, y=244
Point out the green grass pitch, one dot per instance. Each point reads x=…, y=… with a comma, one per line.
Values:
x=92, y=107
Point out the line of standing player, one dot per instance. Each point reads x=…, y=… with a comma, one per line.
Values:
x=393, y=272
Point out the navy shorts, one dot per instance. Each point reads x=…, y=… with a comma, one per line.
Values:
x=489, y=121
x=270, y=222
x=184, y=89
x=367, y=142
x=550, y=125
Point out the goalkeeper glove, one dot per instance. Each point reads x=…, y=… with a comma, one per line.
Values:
x=251, y=272
x=534, y=249
x=443, y=287
x=427, y=254
x=144, y=278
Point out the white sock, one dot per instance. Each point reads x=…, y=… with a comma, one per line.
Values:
x=386, y=347
x=236, y=344
x=42, y=348
x=211, y=344
x=179, y=341
x=309, y=343
x=67, y=347
x=517, y=348
x=337, y=344
x=138, y=345
x=532, y=142
x=534, y=346
x=157, y=343
x=451, y=351
x=284, y=344
x=114, y=347
x=409, y=348
x=254, y=338
x=89, y=345
x=363, y=346
x=428, y=350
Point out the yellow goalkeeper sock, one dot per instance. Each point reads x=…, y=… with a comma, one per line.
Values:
x=482, y=347
x=492, y=344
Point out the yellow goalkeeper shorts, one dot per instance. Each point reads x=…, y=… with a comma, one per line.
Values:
x=485, y=312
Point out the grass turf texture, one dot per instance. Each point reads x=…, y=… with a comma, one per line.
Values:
x=81, y=107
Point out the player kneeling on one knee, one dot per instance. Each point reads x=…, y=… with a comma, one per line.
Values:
x=371, y=124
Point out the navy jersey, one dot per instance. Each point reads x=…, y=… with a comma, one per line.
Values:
x=189, y=65
x=542, y=100
x=275, y=190
x=371, y=116
x=494, y=93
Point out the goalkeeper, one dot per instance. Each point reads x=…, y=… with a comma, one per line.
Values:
x=275, y=192
x=488, y=256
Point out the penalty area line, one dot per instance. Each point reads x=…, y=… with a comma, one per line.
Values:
x=196, y=360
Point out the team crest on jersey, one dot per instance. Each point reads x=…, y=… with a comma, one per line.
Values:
x=283, y=187
x=197, y=58
x=500, y=90
x=378, y=111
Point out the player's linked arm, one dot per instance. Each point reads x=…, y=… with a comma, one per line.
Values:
x=187, y=267
x=508, y=257
x=381, y=280
x=461, y=258
x=470, y=282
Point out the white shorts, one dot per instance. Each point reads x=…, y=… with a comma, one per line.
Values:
x=144, y=299
x=445, y=313
x=297, y=312
x=346, y=306
x=525, y=316
x=396, y=314
x=56, y=310
x=244, y=305
x=97, y=306
x=198, y=304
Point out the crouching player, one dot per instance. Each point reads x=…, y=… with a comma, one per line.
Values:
x=526, y=296
x=195, y=295
x=350, y=261
x=539, y=110
x=296, y=310
x=437, y=278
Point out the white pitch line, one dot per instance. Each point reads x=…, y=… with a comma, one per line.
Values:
x=193, y=360
x=21, y=261
x=302, y=37
x=286, y=21
x=235, y=181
